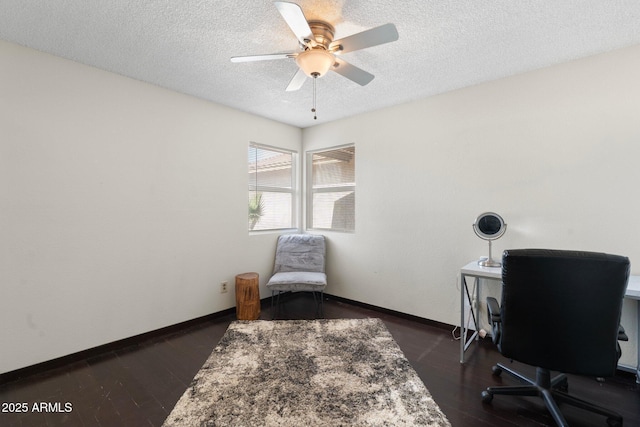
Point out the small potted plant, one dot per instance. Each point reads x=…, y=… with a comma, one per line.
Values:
x=256, y=210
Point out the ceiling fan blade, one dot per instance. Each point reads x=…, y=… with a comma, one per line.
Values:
x=294, y=17
x=297, y=81
x=252, y=58
x=352, y=72
x=379, y=35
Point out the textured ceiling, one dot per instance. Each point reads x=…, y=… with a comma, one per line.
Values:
x=185, y=45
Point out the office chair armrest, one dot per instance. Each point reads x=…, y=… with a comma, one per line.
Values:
x=493, y=312
x=622, y=336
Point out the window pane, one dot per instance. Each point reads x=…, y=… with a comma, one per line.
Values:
x=269, y=210
x=334, y=210
x=273, y=168
x=332, y=184
x=334, y=168
x=271, y=188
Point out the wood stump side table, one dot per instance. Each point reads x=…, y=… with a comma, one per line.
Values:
x=247, y=296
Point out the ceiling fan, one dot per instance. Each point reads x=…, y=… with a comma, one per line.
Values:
x=320, y=53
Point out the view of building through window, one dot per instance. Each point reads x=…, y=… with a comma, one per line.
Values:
x=332, y=189
x=271, y=188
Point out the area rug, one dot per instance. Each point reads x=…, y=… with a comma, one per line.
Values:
x=307, y=373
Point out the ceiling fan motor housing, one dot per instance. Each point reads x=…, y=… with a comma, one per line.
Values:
x=323, y=32
x=316, y=60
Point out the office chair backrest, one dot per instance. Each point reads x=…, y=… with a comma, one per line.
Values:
x=300, y=252
x=561, y=309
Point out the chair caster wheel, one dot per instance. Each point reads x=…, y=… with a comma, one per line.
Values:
x=487, y=397
x=497, y=370
x=614, y=422
x=563, y=385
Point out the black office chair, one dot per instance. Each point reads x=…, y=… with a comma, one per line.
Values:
x=560, y=312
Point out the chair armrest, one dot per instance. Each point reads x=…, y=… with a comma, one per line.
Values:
x=622, y=336
x=493, y=310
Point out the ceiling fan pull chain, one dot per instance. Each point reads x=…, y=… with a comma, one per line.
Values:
x=313, y=110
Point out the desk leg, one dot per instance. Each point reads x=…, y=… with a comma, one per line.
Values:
x=476, y=309
x=463, y=333
x=638, y=343
x=473, y=310
x=464, y=290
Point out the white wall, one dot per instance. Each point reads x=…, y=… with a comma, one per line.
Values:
x=122, y=206
x=555, y=152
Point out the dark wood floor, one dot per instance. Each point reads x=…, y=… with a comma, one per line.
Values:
x=140, y=384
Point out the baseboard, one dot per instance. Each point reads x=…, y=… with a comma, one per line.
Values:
x=126, y=342
x=264, y=302
x=423, y=320
x=116, y=345
x=106, y=348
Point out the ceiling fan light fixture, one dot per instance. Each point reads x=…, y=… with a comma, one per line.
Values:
x=315, y=62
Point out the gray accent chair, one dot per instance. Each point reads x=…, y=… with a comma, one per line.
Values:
x=299, y=266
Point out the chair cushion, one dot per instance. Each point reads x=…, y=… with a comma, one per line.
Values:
x=298, y=281
x=300, y=252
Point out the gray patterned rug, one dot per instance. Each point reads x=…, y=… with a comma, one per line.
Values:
x=307, y=373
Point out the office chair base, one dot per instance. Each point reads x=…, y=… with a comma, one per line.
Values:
x=552, y=390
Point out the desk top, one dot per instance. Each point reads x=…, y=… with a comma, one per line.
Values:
x=633, y=289
x=474, y=270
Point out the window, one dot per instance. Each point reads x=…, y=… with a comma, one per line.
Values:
x=272, y=195
x=331, y=183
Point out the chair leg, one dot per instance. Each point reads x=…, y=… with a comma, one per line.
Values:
x=551, y=391
x=500, y=367
x=273, y=313
x=552, y=406
x=543, y=378
x=563, y=397
x=529, y=388
x=277, y=298
x=315, y=302
x=515, y=390
x=319, y=304
x=560, y=382
x=318, y=300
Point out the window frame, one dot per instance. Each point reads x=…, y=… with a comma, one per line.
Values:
x=271, y=189
x=310, y=191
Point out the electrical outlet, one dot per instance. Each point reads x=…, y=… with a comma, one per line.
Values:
x=223, y=287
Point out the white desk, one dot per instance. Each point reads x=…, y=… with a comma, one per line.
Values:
x=477, y=272
x=495, y=273
x=633, y=292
